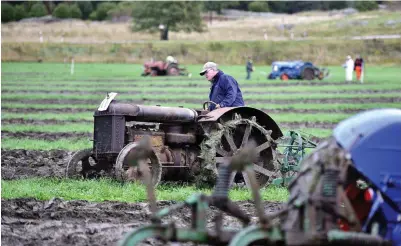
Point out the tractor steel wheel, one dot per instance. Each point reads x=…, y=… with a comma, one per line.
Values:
x=126, y=168
x=308, y=73
x=153, y=73
x=173, y=70
x=284, y=77
x=83, y=165
x=233, y=136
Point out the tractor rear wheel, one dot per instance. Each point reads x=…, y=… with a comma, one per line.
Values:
x=126, y=167
x=308, y=73
x=173, y=70
x=234, y=135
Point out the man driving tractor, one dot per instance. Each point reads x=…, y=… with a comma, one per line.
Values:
x=225, y=91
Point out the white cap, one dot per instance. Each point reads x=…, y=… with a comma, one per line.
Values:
x=348, y=57
x=208, y=65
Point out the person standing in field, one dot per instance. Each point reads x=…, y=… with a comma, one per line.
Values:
x=359, y=68
x=249, y=68
x=225, y=91
x=349, y=68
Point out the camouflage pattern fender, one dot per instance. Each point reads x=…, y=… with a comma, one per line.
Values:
x=224, y=114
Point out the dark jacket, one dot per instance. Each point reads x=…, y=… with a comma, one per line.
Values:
x=358, y=63
x=249, y=66
x=225, y=91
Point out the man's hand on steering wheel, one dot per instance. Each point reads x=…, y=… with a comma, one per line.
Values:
x=206, y=105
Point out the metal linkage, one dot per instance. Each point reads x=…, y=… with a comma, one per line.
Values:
x=295, y=144
x=199, y=204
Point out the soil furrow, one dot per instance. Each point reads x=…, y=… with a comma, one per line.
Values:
x=81, y=110
x=22, y=121
x=247, y=101
x=28, y=221
x=103, y=92
x=290, y=125
x=48, y=136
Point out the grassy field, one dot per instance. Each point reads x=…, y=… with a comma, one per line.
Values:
x=324, y=38
x=44, y=98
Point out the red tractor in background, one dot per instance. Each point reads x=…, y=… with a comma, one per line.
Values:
x=169, y=67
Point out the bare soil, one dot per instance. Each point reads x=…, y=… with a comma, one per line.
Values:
x=27, y=221
x=20, y=163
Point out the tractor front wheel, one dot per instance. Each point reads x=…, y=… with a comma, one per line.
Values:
x=83, y=164
x=284, y=76
x=127, y=169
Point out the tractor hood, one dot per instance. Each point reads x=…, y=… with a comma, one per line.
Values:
x=373, y=139
x=288, y=63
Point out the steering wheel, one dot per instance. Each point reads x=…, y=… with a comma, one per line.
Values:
x=206, y=104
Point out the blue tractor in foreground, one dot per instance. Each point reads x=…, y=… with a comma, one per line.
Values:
x=301, y=70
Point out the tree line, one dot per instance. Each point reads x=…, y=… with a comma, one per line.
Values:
x=99, y=10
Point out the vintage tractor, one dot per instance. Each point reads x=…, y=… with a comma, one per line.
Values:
x=163, y=68
x=301, y=70
x=187, y=144
x=348, y=192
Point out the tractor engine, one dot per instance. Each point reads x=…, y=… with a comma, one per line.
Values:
x=172, y=132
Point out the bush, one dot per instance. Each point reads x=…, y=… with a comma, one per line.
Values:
x=122, y=9
x=75, y=12
x=366, y=5
x=38, y=10
x=258, y=7
x=62, y=11
x=7, y=12
x=102, y=10
x=86, y=8
x=20, y=12
x=93, y=16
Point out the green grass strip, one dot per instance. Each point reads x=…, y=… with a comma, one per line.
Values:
x=37, y=144
x=125, y=89
x=79, y=127
x=49, y=116
x=61, y=72
x=108, y=190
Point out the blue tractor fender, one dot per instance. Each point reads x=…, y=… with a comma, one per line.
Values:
x=373, y=139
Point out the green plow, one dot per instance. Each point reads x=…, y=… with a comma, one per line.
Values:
x=294, y=145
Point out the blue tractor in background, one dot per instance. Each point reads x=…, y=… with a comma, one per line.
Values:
x=301, y=70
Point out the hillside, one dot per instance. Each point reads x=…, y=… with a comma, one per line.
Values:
x=306, y=25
